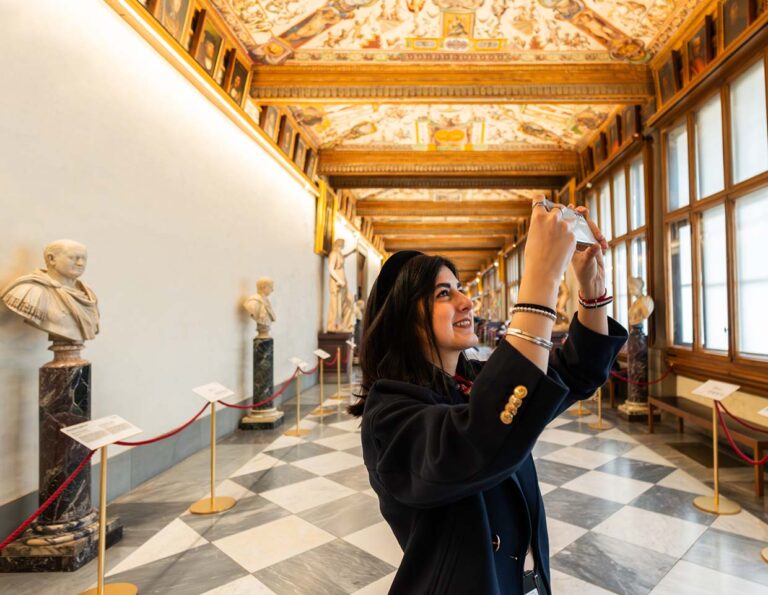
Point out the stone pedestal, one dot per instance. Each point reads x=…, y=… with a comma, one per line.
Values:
x=329, y=342
x=635, y=408
x=263, y=417
x=65, y=536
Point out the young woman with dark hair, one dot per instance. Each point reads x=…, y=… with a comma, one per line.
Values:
x=447, y=441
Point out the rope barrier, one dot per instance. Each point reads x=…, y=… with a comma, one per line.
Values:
x=331, y=362
x=741, y=421
x=640, y=382
x=312, y=371
x=267, y=400
x=734, y=446
x=167, y=434
x=20, y=529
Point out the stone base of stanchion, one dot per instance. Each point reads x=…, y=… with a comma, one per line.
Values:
x=262, y=419
x=633, y=411
x=64, y=551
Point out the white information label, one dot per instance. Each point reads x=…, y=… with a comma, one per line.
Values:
x=763, y=412
x=713, y=389
x=299, y=363
x=213, y=391
x=321, y=354
x=351, y=343
x=101, y=432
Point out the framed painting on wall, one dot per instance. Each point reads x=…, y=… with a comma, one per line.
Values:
x=613, y=141
x=735, y=17
x=325, y=217
x=238, y=82
x=268, y=123
x=285, y=138
x=630, y=123
x=699, y=49
x=310, y=164
x=669, y=78
x=209, y=47
x=300, y=152
x=172, y=15
x=599, y=149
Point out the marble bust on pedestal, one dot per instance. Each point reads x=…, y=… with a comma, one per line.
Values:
x=53, y=299
x=259, y=307
x=642, y=305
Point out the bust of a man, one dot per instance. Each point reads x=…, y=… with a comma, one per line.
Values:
x=259, y=308
x=53, y=299
x=642, y=306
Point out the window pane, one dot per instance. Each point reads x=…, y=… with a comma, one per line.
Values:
x=637, y=193
x=680, y=273
x=620, y=296
x=620, y=203
x=749, y=134
x=714, y=283
x=592, y=205
x=608, y=263
x=605, y=211
x=677, y=167
x=709, y=149
x=752, y=271
x=638, y=267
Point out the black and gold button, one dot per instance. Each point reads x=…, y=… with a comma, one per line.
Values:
x=520, y=391
x=506, y=417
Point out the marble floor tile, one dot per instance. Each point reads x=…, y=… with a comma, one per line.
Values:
x=344, y=516
x=307, y=494
x=556, y=473
x=730, y=554
x=651, y=530
x=566, y=584
x=581, y=426
x=357, y=451
x=557, y=422
x=690, y=579
x=190, y=573
x=248, y=513
x=291, y=454
x=616, y=434
x=258, y=463
x=546, y=488
x=341, y=441
x=674, y=503
x=329, y=463
x=247, y=585
x=171, y=540
x=371, y=493
x=579, y=457
x=579, y=509
x=337, y=567
x=606, y=445
x=680, y=480
x=562, y=437
x=542, y=448
x=283, y=441
x=643, y=453
x=350, y=425
x=380, y=587
x=233, y=490
x=355, y=478
x=272, y=478
x=609, y=486
x=636, y=469
x=613, y=564
x=561, y=534
x=273, y=542
x=379, y=541
x=744, y=524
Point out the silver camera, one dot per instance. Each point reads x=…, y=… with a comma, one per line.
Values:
x=584, y=236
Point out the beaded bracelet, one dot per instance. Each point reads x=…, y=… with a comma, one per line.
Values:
x=533, y=309
x=521, y=334
x=536, y=307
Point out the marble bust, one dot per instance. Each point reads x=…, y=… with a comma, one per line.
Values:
x=642, y=305
x=53, y=299
x=259, y=308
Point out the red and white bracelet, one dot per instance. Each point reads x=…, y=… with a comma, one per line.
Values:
x=597, y=302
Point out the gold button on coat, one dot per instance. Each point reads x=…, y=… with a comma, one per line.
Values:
x=520, y=391
x=510, y=409
x=506, y=417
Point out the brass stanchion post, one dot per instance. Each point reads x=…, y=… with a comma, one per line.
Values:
x=338, y=395
x=580, y=411
x=101, y=588
x=321, y=411
x=212, y=504
x=715, y=504
x=600, y=424
x=297, y=431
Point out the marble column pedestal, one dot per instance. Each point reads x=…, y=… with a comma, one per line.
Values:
x=65, y=536
x=635, y=408
x=267, y=416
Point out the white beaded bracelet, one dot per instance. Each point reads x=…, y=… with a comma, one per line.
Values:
x=549, y=315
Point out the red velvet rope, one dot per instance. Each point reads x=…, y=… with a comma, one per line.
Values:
x=734, y=446
x=167, y=434
x=312, y=371
x=20, y=529
x=331, y=361
x=267, y=400
x=741, y=421
x=640, y=382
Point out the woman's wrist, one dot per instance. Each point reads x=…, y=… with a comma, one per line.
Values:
x=592, y=291
x=538, y=292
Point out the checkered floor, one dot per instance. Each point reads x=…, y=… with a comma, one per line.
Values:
x=306, y=521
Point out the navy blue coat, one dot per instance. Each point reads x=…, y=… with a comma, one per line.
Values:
x=450, y=475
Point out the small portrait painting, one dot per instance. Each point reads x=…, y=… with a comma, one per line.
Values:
x=172, y=15
x=669, y=78
x=325, y=216
x=614, y=135
x=300, y=152
x=285, y=140
x=700, y=49
x=224, y=65
x=269, y=121
x=239, y=79
x=310, y=163
x=600, y=149
x=587, y=162
x=737, y=15
x=209, y=47
x=630, y=123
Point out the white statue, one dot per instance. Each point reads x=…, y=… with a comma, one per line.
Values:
x=259, y=308
x=642, y=306
x=341, y=311
x=52, y=299
x=563, y=321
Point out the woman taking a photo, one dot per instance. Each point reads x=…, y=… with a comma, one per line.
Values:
x=447, y=442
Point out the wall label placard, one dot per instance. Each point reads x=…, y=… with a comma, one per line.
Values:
x=299, y=363
x=713, y=389
x=101, y=432
x=321, y=354
x=213, y=391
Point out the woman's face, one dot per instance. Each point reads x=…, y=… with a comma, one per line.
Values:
x=452, y=318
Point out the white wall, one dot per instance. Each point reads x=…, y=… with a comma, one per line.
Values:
x=102, y=141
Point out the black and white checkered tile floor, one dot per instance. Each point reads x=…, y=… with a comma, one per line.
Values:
x=306, y=521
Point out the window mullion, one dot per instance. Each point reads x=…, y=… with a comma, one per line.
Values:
x=696, y=277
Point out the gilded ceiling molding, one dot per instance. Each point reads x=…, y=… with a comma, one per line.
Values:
x=448, y=181
x=434, y=168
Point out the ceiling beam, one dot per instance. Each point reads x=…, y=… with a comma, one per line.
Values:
x=464, y=255
x=426, y=243
x=452, y=83
x=429, y=208
x=448, y=181
x=405, y=228
x=449, y=163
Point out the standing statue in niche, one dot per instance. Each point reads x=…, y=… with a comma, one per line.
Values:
x=259, y=308
x=563, y=321
x=53, y=299
x=636, y=405
x=341, y=306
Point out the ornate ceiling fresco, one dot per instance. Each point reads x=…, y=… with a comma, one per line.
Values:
x=450, y=126
x=276, y=31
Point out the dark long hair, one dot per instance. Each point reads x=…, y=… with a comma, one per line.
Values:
x=398, y=335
